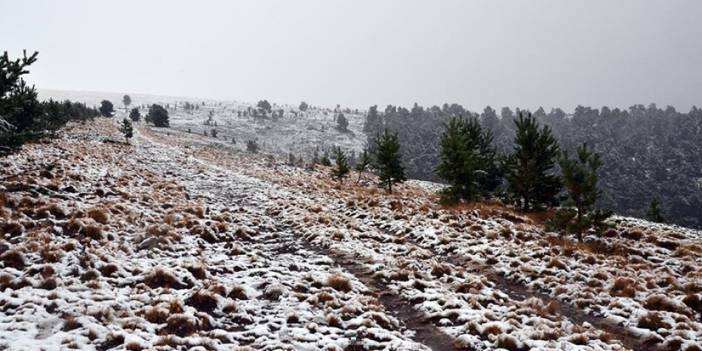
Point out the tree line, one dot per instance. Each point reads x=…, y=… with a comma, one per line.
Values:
x=648, y=154
x=23, y=117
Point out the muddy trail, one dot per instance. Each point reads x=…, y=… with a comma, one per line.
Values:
x=520, y=292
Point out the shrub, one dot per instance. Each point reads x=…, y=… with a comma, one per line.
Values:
x=106, y=108
x=252, y=146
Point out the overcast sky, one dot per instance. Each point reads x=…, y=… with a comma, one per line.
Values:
x=359, y=53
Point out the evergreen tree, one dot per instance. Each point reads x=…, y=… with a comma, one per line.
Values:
x=126, y=129
x=529, y=170
x=387, y=160
x=580, y=177
x=341, y=170
x=126, y=101
x=135, y=115
x=158, y=116
x=303, y=106
x=362, y=164
x=315, y=156
x=655, y=212
x=252, y=146
x=325, y=161
x=106, y=108
x=264, y=106
x=342, y=123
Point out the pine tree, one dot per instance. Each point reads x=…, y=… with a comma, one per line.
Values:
x=325, y=161
x=529, y=170
x=106, y=108
x=135, y=115
x=387, y=160
x=362, y=164
x=580, y=180
x=126, y=101
x=341, y=170
x=126, y=129
x=655, y=212
x=158, y=116
x=342, y=123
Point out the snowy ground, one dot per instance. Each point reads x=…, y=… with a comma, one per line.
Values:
x=180, y=241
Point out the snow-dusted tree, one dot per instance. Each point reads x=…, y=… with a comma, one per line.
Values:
x=387, y=160
x=264, y=106
x=126, y=129
x=126, y=101
x=529, y=170
x=158, y=116
x=252, y=146
x=655, y=212
x=106, y=108
x=362, y=164
x=325, y=161
x=135, y=115
x=303, y=106
x=342, y=123
x=341, y=170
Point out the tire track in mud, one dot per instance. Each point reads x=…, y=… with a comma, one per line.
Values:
x=520, y=292
x=414, y=321
x=425, y=332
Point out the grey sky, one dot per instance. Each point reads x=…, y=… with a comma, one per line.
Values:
x=357, y=53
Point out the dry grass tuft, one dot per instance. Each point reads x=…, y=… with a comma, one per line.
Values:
x=440, y=269
x=623, y=286
x=653, y=321
x=633, y=234
x=659, y=302
x=156, y=315
x=162, y=278
x=14, y=259
x=93, y=231
x=203, y=301
x=339, y=283
x=238, y=293
x=509, y=342
x=99, y=214
x=694, y=301
x=13, y=228
x=180, y=324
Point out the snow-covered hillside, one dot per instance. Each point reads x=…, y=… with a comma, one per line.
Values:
x=297, y=132
x=181, y=241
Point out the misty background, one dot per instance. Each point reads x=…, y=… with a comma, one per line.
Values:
x=359, y=53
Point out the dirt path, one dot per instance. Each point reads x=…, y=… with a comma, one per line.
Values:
x=215, y=190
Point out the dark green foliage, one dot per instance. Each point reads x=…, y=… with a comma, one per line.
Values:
x=325, y=161
x=648, y=151
x=655, y=212
x=252, y=146
x=126, y=129
x=467, y=160
x=126, y=101
x=135, y=115
x=157, y=115
x=341, y=170
x=213, y=133
x=374, y=122
x=106, y=108
x=529, y=169
x=303, y=106
x=22, y=117
x=387, y=160
x=342, y=123
x=362, y=164
x=580, y=177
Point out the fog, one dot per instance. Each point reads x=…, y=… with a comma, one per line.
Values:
x=359, y=53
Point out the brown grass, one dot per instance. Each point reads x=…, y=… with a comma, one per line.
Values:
x=99, y=214
x=659, y=302
x=623, y=286
x=203, y=301
x=653, y=321
x=339, y=283
x=238, y=293
x=181, y=325
x=14, y=259
x=156, y=315
x=13, y=228
x=161, y=278
x=694, y=301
